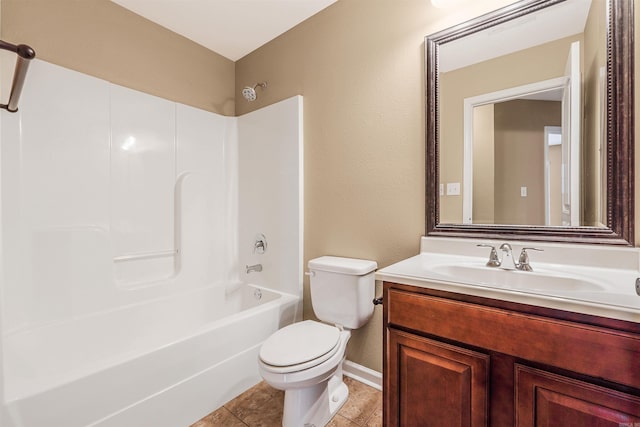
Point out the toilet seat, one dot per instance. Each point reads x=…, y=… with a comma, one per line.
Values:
x=299, y=346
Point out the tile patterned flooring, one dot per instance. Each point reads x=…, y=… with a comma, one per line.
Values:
x=261, y=406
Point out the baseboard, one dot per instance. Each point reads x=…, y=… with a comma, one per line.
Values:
x=363, y=374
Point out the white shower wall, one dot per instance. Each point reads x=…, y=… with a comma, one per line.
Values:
x=111, y=197
x=270, y=188
x=101, y=184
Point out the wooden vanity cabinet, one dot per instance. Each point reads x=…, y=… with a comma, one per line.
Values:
x=458, y=360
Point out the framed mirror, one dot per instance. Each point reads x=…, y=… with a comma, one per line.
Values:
x=530, y=124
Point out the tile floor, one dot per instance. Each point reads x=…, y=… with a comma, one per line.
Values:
x=261, y=406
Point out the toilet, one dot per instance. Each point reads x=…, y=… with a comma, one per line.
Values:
x=305, y=359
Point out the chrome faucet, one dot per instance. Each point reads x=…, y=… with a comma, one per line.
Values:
x=256, y=268
x=507, y=262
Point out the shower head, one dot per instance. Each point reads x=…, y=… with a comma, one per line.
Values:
x=249, y=92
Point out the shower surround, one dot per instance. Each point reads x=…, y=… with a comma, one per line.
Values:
x=127, y=222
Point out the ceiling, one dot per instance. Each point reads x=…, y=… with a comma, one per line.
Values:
x=232, y=28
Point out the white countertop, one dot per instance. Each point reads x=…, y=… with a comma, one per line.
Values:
x=613, y=269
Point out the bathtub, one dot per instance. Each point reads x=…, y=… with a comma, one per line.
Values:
x=166, y=362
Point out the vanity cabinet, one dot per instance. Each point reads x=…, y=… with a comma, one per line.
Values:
x=459, y=360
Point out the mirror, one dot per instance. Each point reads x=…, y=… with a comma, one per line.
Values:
x=530, y=124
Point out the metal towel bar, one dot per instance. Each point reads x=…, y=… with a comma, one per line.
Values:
x=25, y=54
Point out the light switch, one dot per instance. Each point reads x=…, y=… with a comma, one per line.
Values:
x=453, y=189
x=523, y=191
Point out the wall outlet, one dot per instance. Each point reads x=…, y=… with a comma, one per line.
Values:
x=453, y=189
x=523, y=191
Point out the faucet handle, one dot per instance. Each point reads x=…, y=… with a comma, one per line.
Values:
x=523, y=260
x=260, y=245
x=494, y=261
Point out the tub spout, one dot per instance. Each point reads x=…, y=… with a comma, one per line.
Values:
x=257, y=268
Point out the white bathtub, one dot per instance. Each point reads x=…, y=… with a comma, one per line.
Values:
x=166, y=362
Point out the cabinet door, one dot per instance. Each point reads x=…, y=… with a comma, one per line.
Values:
x=546, y=399
x=430, y=383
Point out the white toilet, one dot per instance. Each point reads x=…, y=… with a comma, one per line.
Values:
x=305, y=359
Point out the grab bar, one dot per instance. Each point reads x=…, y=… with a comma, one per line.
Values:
x=25, y=54
x=143, y=255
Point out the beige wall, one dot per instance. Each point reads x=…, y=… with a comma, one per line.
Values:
x=359, y=65
x=102, y=39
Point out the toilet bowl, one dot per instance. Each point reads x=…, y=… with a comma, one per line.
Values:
x=305, y=359
x=314, y=389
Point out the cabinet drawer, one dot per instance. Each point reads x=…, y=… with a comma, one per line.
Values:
x=589, y=350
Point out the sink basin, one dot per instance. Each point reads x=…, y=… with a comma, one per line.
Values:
x=587, y=279
x=514, y=279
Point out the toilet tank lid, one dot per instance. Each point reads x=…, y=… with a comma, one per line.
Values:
x=342, y=265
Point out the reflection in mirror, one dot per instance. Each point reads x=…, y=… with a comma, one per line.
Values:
x=517, y=163
x=524, y=120
x=531, y=72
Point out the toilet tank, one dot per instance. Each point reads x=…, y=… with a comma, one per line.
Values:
x=342, y=290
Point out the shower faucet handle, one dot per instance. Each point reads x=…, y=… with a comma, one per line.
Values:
x=260, y=245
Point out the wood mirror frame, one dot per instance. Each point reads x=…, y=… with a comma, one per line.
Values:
x=619, y=212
